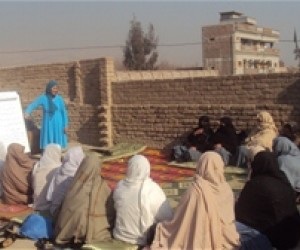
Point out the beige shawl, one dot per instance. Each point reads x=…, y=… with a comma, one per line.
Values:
x=205, y=217
x=264, y=133
x=16, y=176
x=86, y=209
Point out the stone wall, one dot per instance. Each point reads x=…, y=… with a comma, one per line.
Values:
x=157, y=108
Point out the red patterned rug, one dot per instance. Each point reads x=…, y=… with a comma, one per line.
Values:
x=161, y=172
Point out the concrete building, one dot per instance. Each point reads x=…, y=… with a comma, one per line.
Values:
x=238, y=46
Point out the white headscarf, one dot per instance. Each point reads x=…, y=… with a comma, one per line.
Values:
x=138, y=169
x=139, y=203
x=63, y=177
x=42, y=174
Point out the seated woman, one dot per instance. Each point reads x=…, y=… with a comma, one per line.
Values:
x=16, y=176
x=87, y=210
x=267, y=206
x=139, y=203
x=198, y=141
x=63, y=177
x=288, y=156
x=262, y=135
x=264, y=132
x=225, y=140
x=42, y=175
x=204, y=218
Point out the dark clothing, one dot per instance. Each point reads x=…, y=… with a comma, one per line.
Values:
x=267, y=203
x=227, y=137
x=201, y=141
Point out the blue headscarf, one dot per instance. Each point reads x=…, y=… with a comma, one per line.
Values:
x=49, y=95
x=288, y=156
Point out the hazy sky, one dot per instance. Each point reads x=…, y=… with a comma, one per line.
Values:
x=49, y=25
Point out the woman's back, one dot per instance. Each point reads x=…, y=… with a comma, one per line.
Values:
x=268, y=203
x=204, y=218
x=16, y=176
x=139, y=203
x=288, y=156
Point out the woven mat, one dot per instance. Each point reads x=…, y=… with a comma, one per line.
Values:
x=118, y=151
x=10, y=211
x=109, y=245
x=173, y=179
x=161, y=172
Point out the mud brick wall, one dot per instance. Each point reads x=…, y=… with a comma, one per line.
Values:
x=79, y=84
x=157, y=108
x=161, y=112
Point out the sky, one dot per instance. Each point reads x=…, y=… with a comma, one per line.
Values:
x=39, y=32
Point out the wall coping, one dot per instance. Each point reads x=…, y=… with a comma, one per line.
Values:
x=124, y=76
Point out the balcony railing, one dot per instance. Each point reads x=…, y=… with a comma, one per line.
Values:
x=254, y=49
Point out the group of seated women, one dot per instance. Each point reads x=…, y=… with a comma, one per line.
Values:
x=229, y=143
x=86, y=210
x=224, y=140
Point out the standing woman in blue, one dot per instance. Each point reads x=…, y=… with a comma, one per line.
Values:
x=55, y=118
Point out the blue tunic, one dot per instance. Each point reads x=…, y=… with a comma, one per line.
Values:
x=53, y=123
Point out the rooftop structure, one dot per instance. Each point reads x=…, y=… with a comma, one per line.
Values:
x=238, y=46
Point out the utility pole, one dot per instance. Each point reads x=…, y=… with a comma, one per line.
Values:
x=297, y=49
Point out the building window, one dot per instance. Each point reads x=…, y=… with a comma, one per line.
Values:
x=239, y=63
x=211, y=39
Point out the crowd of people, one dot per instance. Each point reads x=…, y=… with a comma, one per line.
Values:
x=233, y=146
x=208, y=216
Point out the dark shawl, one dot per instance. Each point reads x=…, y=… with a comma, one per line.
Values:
x=201, y=141
x=226, y=135
x=267, y=203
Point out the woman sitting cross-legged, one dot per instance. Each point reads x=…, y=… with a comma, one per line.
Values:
x=87, y=210
x=264, y=132
x=267, y=207
x=261, y=135
x=42, y=174
x=16, y=176
x=139, y=203
x=204, y=218
x=63, y=177
x=197, y=142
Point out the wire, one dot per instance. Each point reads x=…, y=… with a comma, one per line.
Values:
x=183, y=44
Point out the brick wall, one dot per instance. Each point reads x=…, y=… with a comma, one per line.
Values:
x=155, y=108
x=161, y=112
x=217, y=47
x=79, y=84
